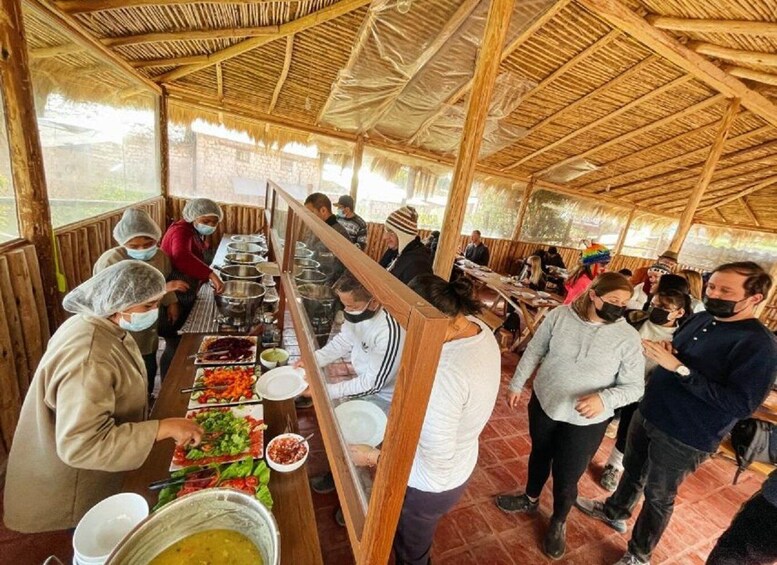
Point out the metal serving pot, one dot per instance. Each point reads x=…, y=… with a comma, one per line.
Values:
x=241, y=301
x=240, y=273
x=244, y=258
x=254, y=248
x=258, y=239
x=302, y=253
x=311, y=276
x=302, y=264
x=211, y=509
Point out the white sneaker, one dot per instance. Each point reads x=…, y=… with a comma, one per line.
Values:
x=631, y=559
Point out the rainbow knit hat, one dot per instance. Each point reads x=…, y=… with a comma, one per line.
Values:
x=595, y=253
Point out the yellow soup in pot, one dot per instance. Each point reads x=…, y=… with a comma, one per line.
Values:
x=211, y=547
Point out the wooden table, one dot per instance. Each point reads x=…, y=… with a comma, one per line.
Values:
x=292, y=502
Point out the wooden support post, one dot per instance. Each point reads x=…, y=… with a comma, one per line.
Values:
x=358, y=155
x=32, y=202
x=624, y=232
x=686, y=219
x=164, y=148
x=486, y=69
x=527, y=194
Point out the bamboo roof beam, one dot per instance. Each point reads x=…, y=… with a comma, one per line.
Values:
x=705, y=222
x=748, y=210
x=219, y=81
x=698, y=107
x=621, y=17
x=75, y=31
x=734, y=55
x=716, y=149
x=81, y=7
x=483, y=81
x=318, y=17
x=739, y=27
x=55, y=51
x=284, y=73
x=358, y=156
x=679, y=81
x=458, y=19
x=522, y=38
x=527, y=193
x=752, y=74
x=771, y=181
x=720, y=215
x=171, y=62
x=191, y=35
x=730, y=193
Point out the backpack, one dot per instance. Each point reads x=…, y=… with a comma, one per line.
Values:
x=753, y=440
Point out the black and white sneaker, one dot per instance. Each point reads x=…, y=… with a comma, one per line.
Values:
x=595, y=509
x=516, y=503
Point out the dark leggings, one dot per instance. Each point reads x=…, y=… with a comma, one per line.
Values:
x=564, y=448
x=626, y=412
x=751, y=539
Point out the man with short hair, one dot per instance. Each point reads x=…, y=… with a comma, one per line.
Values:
x=476, y=251
x=321, y=206
x=717, y=370
x=553, y=258
x=354, y=224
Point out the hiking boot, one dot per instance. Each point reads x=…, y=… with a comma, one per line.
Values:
x=303, y=402
x=609, y=478
x=340, y=517
x=515, y=503
x=595, y=509
x=631, y=559
x=323, y=484
x=555, y=543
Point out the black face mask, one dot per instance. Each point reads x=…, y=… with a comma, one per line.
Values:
x=659, y=316
x=360, y=317
x=610, y=312
x=720, y=308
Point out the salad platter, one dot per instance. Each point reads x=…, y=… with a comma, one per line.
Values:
x=230, y=434
x=224, y=385
x=227, y=350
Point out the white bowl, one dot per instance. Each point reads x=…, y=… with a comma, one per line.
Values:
x=280, y=467
x=272, y=364
x=105, y=525
x=543, y=294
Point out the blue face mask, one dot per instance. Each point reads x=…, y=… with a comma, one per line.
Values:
x=142, y=254
x=139, y=321
x=340, y=213
x=203, y=229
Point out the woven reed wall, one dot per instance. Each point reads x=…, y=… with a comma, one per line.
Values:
x=238, y=218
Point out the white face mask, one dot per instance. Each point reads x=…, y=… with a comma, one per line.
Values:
x=204, y=229
x=142, y=254
x=139, y=321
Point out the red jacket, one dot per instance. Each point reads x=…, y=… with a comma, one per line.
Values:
x=186, y=249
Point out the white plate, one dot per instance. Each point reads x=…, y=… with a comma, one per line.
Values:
x=281, y=383
x=526, y=294
x=543, y=294
x=361, y=422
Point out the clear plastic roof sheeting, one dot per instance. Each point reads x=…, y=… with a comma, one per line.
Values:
x=706, y=247
x=402, y=70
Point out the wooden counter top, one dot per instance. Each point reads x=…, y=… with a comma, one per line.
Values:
x=293, y=505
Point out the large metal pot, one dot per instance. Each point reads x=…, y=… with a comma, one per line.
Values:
x=241, y=301
x=302, y=264
x=302, y=253
x=240, y=273
x=255, y=248
x=258, y=239
x=311, y=276
x=244, y=258
x=211, y=509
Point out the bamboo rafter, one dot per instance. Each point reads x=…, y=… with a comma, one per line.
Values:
x=748, y=210
x=734, y=55
x=730, y=193
x=752, y=189
x=55, y=51
x=723, y=188
x=151, y=63
x=80, y=7
x=284, y=73
x=739, y=27
x=752, y=74
x=191, y=35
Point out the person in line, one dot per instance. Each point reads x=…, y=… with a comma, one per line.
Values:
x=626, y=273
x=667, y=311
x=696, y=285
x=554, y=259
x=535, y=279
x=138, y=237
x=718, y=369
x=410, y=257
x=593, y=262
x=321, y=206
x=463, y=395
x=83, y=421
x=372, y=341
x=590, y=363
x=354, y=225
x=432, y=241
x=751, y=538
x=640, y=276
x=640, y=300
x=476, y=251
x=186, y=244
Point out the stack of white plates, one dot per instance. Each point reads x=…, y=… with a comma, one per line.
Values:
x=105, y=525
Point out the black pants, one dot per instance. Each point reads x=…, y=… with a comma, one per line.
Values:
x=151, y=366
x=751, y=539
x=421, y=512
x=625, y=413
x=564, y=448
x=656, y=463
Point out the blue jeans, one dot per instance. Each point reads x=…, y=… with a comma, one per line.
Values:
x=656, y=463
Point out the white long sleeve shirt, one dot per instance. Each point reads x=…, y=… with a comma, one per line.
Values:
x=375, y=349
x=463, y=396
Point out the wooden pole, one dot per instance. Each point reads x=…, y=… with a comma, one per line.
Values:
x=164, y=148
x=686, y=219
x=624, y=232
x=32, y=202
x=486, y=69
x=358, y=154
x=527, y=194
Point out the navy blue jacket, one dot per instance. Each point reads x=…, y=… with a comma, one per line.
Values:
x=733, y=366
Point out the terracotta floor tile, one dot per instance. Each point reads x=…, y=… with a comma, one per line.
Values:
x=471, y=524
x=491, y=552
x=456, y=557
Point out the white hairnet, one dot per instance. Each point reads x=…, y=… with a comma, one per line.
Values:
x=201, y=207
x=136, y=223
x=117, y=288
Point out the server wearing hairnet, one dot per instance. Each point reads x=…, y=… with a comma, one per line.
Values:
x=83, y=420
x=138, y=237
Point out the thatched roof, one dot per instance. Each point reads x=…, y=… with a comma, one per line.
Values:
x=578, y=91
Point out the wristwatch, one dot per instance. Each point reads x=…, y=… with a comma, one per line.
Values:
x=683, y=371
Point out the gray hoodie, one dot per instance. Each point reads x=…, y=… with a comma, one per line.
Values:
x=577, y=358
